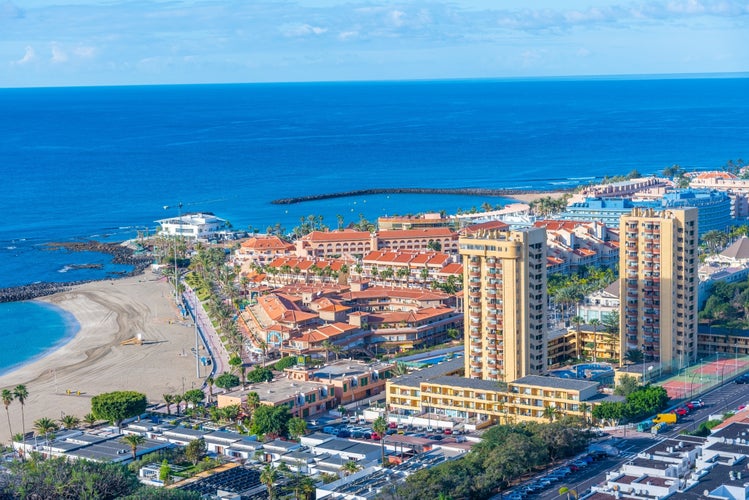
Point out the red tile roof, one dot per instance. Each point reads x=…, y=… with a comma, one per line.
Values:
x=265, y=243
x=452, y=268
x=494, y=225
x=716, y=175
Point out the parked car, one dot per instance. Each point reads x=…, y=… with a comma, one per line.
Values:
x=448, y=431
x=742, y=379
x=699, y=403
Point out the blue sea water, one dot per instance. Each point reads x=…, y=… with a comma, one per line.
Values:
x=100, y=163
x=30, y=329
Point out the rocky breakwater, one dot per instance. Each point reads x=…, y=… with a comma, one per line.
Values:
x=120, y=255
x=463, y=191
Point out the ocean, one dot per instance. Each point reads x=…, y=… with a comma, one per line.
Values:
x=102, y=163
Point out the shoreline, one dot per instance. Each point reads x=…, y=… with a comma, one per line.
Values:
x=71, y=325
x=94, y=361
x=120, y=252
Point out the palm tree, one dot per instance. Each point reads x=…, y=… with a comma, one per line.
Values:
x=268, y=477
x=168, y=399
x=550, y=412
x=70, y=421
x=89, y=419
x=380, y=426
x=350, y=467
x=134, y=440
x=7, y=400
x=577, y=320
x=585, y=408
x=594, y=323
x=44, y=426
x=209, y=382
x=21, y=394
x=253, y=401
x=337, y=350
x=327, y=346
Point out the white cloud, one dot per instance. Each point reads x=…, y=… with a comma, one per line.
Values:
x=583, y=52
x=58, y=54
x=84, y=52
x=300, y=30
x=346, y=35
x=396, y=17
x=28, y=56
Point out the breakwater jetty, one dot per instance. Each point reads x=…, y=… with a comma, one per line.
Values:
x=120, y=255
x=464, y=191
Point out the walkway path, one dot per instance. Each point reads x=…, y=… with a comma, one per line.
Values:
x=212, y=341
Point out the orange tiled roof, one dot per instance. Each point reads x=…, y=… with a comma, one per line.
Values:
x=494, y=225
x=716, y=175
x=409, y=316
x=322, y=333
x=452, y=268
x=584, y=252
x=557, y=225
x=375, y=292
x=265, y=243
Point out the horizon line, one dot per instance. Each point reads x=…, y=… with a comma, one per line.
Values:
x=582, y=77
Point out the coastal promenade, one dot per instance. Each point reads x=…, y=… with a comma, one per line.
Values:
x=209, y=335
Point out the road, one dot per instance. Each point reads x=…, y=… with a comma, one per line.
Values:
x=724, y=398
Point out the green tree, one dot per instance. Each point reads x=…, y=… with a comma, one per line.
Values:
x=196, y=450
x=297, y=427
x=271, y=421
x=380, y=426
x=194, y=397
x=577, y=321
x=350, y=467
x=45, y=426
x=268, y=477
x=8, y=397
x=89, y=419
x=253, y=401
x=595, y=323
x=235, y=362
x=168, y=401
x=119, y=405
x=209, y=383
x=70, y=421
x=227, y=381
x=133, y=440
x=165, y=473
x=626, y=386
x=260, y=374
x=21, y=394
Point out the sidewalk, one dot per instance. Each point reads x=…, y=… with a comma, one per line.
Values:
x=209, y=336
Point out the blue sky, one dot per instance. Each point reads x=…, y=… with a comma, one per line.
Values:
x=79, y=42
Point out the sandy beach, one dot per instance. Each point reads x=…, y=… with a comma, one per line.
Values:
x=527, y=198
x=94, y=361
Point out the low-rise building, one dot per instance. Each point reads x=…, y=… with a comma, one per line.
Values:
x=194, y=226
x=484, y=402
x=351, y=380
x=303, y=398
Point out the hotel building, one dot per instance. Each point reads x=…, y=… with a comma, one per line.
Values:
x=504, y=287
x=658, y=266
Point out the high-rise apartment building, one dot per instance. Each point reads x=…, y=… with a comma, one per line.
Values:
x=658, y=266
x=504, y=273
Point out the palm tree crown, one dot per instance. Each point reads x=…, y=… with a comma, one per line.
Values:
x=134, y=440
